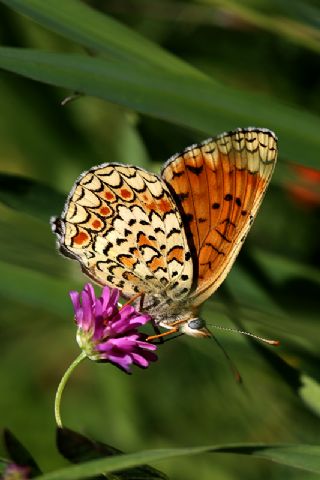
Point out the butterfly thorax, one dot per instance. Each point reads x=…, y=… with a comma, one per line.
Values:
x=180, y=316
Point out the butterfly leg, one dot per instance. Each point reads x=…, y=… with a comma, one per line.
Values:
x=161, y=335
x=141, y=301
x=174, y=329
x=134, y=298
x=157, y=332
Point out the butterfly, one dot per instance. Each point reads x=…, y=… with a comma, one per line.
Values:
x=171, y=238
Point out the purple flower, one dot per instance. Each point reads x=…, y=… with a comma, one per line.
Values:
x=110, y=334
x=15, y=472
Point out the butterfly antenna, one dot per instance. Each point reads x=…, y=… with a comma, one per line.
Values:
x=232, y=366
x=265, y=340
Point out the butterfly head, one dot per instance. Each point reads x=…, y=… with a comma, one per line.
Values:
x=195, y=327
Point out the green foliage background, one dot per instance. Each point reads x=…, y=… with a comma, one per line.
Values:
x=230, y=64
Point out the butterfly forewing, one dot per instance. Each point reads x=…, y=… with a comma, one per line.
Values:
x=218, y=187
x=121, y=223
x=173, y=238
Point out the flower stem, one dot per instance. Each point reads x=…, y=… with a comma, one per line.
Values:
x=61, y=386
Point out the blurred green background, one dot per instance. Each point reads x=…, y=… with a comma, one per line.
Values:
x=266, y=48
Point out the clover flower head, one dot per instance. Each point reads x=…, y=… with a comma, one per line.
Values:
x=15, y=472
x=109, y=333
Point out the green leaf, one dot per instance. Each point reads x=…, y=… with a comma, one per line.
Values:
x=310, y=393
x=281, y=268
x=282, y=25
x=36, y=289
x=19, y=454
x=305, y=457
x=3, y=465
x=193, y=102
x=78, y=448
x=29, y=196
x=78, y=22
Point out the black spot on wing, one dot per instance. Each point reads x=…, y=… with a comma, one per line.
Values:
x=222, y=235
x=119, y=241
x=208, y=244
x=194, y=170
x=188, y=217
x=107, y=248
x=173, y=231
x=177, y=174
x=228, y=222
x=182, y=196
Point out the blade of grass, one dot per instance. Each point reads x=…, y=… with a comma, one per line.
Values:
x=36, y=289
x=29, y=196
x=96, y=31
x=195, y=103
x=295, y=31
x=305, y=457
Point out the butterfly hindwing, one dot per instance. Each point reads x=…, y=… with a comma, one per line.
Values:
x=173, y=238
x=218, y=187
x=121, y=223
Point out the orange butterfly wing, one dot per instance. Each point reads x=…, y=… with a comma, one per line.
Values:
x=218, y=186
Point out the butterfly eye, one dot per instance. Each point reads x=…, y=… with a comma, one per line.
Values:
x=196, y=324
